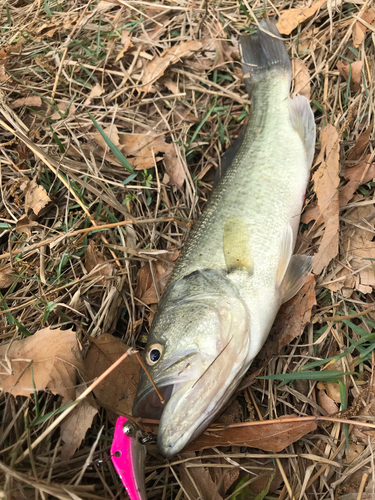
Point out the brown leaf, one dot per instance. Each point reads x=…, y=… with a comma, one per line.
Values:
x=126, y=43
x=171, y=86
x=359, y=29
x=296, y=313
x=6, y=278
x=75, y=425
x=4, y=77
x=360, y=146
x=360, y=174
x=93, y=259
x=32, y=100
x=301, y=78
x=174, y=167
x=358, y=246
x=145, y=284
x=290, y=19
x=356, y=73
x=24, y=224
x=327, y=403
x=364, y=433
x=112, y=133
x=117, y=391
x=275, y=437
x=36, y=197
x=52, y=356
x=197, y=481
x=326, y=182
x=63, y=106
x=96, y=91
x=141, y=149
x=156, y=68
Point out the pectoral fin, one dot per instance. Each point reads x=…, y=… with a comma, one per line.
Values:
x=236, y=245
x=286, y=251
x=298, y=270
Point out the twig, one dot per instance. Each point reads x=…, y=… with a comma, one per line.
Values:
x=141, y=362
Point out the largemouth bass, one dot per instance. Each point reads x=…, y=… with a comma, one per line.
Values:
x=237, y=266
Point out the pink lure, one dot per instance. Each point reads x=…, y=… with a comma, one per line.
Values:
x=128, y=457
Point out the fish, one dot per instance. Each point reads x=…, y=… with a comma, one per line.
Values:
x=237, y=266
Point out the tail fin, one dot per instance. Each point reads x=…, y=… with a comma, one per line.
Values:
x=262, y=52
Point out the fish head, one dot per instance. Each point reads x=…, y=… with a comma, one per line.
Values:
x=197, y=347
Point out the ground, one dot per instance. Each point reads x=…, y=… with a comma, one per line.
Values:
x=113, y=120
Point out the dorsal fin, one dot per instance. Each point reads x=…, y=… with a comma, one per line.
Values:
x=303, y=121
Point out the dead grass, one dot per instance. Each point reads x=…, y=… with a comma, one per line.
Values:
x=68, y=58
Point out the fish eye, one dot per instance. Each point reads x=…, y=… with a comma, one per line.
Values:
x=154, y=353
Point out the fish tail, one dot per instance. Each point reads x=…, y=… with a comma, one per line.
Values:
x=262, y=53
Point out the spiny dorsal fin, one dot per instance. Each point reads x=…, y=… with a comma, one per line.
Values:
x=236, y=245
x=298, y=270
x=303, y=121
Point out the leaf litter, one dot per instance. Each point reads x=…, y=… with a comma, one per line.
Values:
x=151, y=74
x=27, y=367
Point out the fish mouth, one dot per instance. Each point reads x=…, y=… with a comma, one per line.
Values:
x=189, y=411
x=191, y=404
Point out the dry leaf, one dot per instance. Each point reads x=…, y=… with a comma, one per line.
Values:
x=174, y=167
x=32, y=100
x=275, y=437
x=4, y=77
x=117, y=391
x=63, y=106
x=52, y=356
x=156, y=68
x=146, y=292
x=36, y=197
x=301, y=78
x=24, y=225
x=357, y=176
x=112, y=133
x=197, y=481
x=104, y=5
x=295, y=314
x=326, y=182
x=126, y=43
x=6, y=278
x=358, y=246
x=290, y=19
x=75, y=425
x=359, y=29
x=356, y=73
x=360, y=146
x=360, y=174
x=93, y=259
x=171, y=85
x=364, y=433
x=96, y=91
x=141, y=149
x=353, y=452
x=56, y=24
x=326, y=402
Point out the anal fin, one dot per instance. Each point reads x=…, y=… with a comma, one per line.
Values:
x=236, y=245
x=298, y=270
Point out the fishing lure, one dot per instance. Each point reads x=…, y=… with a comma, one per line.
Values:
x=128, y=454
